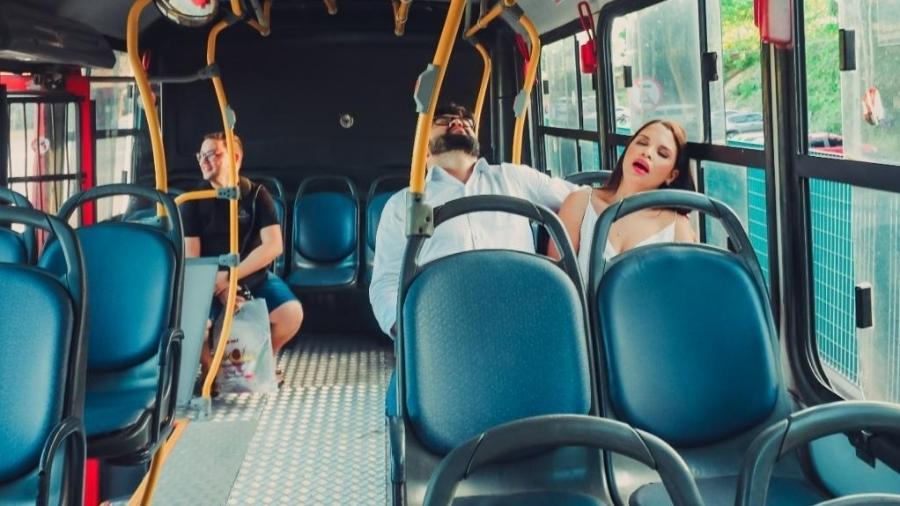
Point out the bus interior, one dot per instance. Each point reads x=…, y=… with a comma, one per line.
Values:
x=760, y=366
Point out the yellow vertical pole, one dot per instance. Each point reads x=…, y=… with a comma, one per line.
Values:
x=485, y=80
x=143, y=84
x=533, y=62
x=423, y=127
x=228, y=128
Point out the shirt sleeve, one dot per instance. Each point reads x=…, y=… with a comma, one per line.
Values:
x=390, y=242
x=190, y=219
x=545, y=190
x=265, y=209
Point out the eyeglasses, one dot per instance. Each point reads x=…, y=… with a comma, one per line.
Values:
x=207, y=157
x=447, y=120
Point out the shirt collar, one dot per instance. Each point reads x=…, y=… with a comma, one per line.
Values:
x=436, y=171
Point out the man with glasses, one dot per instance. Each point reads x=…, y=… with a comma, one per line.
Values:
x=206, y=233
x=455, y=170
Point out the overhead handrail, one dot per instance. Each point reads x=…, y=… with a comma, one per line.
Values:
x=520, y=106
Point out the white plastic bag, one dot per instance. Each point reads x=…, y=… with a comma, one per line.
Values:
x=248, y=365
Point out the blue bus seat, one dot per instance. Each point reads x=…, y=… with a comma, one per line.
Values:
x=17, y=247
x=593, y=178
x=473, y=353
x=694, y=359
x=324, y=248
x=43, y=365
x=379, y=192
x=276, y=189
x=135, y=272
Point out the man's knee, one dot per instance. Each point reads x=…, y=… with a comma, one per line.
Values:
x=287, y=316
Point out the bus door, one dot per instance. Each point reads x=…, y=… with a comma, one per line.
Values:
x=50, y=149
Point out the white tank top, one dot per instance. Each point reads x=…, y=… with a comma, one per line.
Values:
x=588, y=223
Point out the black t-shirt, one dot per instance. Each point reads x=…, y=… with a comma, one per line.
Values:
x=208, y=220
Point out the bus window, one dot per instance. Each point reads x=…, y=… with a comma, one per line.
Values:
x=855, y=233
x=116, y=132
x=588, y=94
x=736, y=97
x=561, y=155
x=590, y=155
x=569, y=101
x=43, y=158
x=660, y=47
x=744, y=190
x=560, y=97
x=855, y=110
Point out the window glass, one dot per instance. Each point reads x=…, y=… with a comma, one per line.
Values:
x=562, y=155
x=736, y=97
x=116, y=122
x=855, y=232
x=870, y=95
x=559, y=86
x=660, y=49
x=853, y=114
x=744, y=191
x=588, y=91
x=43, y=153
x=590, y=155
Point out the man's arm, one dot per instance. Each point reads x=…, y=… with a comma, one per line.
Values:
x=191, y=247
x=390, y=241
x=261, y=256
x=545, y=190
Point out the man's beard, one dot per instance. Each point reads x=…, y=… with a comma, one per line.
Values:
x=454, y=142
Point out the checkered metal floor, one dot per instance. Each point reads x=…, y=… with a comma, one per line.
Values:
x=319, y=440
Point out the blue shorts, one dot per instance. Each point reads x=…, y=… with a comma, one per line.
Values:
x=274, y=290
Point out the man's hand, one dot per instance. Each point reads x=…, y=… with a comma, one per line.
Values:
x=221, y=283
x=238, y=301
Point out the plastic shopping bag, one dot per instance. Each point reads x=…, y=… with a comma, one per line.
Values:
x=248, y=365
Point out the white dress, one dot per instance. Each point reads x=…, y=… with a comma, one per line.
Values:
x=588, y=223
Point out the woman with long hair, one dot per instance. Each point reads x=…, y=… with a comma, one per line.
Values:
x=654, y=158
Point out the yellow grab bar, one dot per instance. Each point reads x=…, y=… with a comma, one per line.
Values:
x=265, y=28
x=524, y=97
x=195, y=195
x=228, y=125
x=423, y=127
x=401, y=14
x=485, y=80
x=143, y=84
x=489, y=16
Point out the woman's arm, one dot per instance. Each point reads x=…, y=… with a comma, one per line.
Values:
x=571, y=213
x=684, y=232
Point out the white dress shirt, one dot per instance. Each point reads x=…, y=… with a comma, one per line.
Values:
x=463, y=233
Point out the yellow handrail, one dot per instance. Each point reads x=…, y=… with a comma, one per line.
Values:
x=423, y=127
x=143, y=84
x=489, y=16
x=401, y=14
x=530, y=74
x=227, y=125
x=265, y=28
x=195, y=195
x=485, y=80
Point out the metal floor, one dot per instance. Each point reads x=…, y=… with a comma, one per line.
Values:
x=319, y=440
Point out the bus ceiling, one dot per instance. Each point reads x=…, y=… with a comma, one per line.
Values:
x=32, y=37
